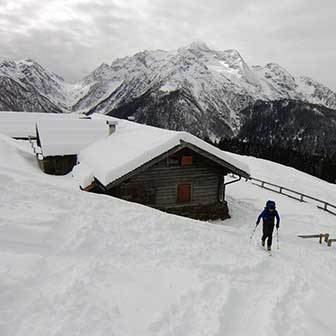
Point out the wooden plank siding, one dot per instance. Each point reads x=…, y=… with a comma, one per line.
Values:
x=58, y=165
x=157, y=186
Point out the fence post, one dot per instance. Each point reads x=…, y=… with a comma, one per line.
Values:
x=326, y=237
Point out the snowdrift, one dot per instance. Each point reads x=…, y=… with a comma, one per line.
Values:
x=74, y=263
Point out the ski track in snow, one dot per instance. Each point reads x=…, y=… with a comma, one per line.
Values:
x=74, y=263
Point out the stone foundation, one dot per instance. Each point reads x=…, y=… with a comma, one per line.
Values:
x=202, y=212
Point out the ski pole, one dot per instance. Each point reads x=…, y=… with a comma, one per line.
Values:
x=278, y=239
x=254, y=230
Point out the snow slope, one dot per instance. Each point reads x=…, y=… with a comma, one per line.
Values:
x=74, y=263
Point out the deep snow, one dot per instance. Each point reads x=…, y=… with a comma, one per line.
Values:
x=74, y=263
x=133, y=145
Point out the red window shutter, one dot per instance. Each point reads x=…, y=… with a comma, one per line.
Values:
x=186, y=160
x=184, y=193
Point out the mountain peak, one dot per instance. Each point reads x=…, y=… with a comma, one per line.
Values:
x=5, y=59
x=273, y=65
x=308, y=80
x=196, y=48
x=233, y=53
x=27, y=61
x=103, y=66
x=6, y=62
x=198, y=45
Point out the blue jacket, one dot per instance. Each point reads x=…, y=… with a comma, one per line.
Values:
x=268, y=217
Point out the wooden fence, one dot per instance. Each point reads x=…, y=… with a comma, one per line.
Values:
x=322, y=237
x=321, y=204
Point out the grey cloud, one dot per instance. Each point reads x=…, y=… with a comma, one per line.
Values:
x=19, y=18
x=298, y=34
x=98, y=7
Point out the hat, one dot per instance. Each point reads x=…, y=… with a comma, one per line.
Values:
x=270, y=204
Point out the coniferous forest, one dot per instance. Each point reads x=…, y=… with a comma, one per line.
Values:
x=292, y=133
x=322, y=166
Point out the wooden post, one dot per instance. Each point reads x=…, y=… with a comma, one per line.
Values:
x=326, y=237
x=321, y=236
x=331, y=241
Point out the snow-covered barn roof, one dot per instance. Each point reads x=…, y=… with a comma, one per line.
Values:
x=23, y=124
x=69, y=137
x=133, y=145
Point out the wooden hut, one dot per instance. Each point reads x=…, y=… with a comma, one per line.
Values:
x=171, y=171
x=59, y=141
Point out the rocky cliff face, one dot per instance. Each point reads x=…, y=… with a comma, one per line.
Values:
x=193, y=88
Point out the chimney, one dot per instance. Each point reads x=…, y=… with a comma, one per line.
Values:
x=112, y=126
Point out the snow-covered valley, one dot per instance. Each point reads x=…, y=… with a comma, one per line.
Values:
x=75, y=263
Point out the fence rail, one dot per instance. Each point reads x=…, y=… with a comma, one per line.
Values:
x=323, y=205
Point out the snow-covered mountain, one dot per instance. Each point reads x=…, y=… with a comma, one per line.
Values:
x=193, y=88
x=25, y=85
x=197, y=89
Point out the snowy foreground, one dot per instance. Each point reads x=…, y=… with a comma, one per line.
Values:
x=74, y=263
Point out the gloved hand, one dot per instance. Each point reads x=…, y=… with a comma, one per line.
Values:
x=277, y=226
x=257, y=224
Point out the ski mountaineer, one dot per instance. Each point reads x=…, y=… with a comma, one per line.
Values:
x=268, y=215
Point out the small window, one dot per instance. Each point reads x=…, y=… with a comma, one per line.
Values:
x=173, y=161
x=186, y=160
x=184, y=193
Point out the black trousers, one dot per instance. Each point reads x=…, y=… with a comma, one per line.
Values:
x=268, y=233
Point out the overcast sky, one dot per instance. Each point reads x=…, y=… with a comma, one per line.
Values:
x=72, y=37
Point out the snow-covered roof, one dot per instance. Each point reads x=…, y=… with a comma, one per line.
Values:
x=133, y=145
x=68, y=137
x=23, y=124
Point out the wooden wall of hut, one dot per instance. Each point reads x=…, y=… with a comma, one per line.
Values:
x=185, y=183
x=58, y=165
